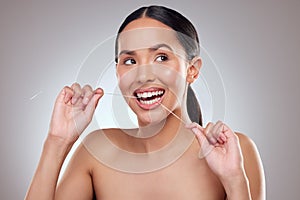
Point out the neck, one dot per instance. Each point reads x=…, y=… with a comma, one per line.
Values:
x=161, y=133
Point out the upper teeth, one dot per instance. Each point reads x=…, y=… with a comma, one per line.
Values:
x=149, y=94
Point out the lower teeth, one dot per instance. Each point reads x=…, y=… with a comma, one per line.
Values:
x=148, y=102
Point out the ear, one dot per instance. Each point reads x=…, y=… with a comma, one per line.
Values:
x=193, y=69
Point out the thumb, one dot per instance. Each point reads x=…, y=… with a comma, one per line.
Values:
x=199, y=134
x=198, y=131
x=91, y=106
x=205, y=146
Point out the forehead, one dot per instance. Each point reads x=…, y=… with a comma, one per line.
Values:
x=145, y=22
x=147, y=37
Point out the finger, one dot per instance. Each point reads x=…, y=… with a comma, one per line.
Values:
x=194, y=125
x=100, y=92
x=68, y=94
x=87, y=93
x=232, y=141
x=216, y=132
x=229, y=134
x=199, y=134
x=205, y=145
x=208, y=134
x=197, y=130
x=219, y=141
x=65, y=95
x=77, y=92
x=91, y=106
x=223, y=137
x=227, y=131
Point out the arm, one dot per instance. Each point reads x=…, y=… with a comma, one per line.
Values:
x=253, y=167
x=76, y=182
x=252, y=180
x=43, y=184
x=73, y=110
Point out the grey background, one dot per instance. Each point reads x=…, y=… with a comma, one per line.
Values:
x=255, y=44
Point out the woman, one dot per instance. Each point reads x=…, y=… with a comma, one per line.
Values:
x=153, y=44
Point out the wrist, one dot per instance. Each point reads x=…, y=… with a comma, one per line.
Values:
x=233, y=176
x=237, y=187
x=57, y=145
x=56, y=137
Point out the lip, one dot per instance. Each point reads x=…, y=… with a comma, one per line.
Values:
x=149, y=98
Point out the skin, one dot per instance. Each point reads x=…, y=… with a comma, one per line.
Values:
x=231, y=170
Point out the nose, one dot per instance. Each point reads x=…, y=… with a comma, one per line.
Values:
x=145, y=74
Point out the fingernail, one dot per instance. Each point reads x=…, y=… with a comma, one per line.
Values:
x=194, y=130
x=212, y=140
x=220, y=141
x=223, y=138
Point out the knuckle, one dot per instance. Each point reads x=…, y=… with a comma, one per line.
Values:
x=66, y=87
x=75, y=85
x=87, y=89
x=206, y=132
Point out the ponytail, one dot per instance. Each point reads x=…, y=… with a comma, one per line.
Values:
x=193, y=106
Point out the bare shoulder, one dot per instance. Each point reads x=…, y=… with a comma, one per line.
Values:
x=253, y=166
x=250, y=152
x=78, y=180
x=247, y=144
x=249, y=149
x=95, y=133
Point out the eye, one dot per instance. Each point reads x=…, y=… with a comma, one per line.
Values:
x=129, y=61
x=161, y=58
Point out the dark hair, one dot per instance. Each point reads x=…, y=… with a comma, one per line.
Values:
x=187, y=36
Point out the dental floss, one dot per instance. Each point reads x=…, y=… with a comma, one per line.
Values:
x=116, y=94
x=173, y=114
x=110, y=93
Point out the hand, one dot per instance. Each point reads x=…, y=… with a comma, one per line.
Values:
x=73, y=111
x=221, y=149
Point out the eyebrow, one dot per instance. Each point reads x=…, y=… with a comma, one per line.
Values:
x=153, y=48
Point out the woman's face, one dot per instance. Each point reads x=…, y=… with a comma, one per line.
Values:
x=151, y=67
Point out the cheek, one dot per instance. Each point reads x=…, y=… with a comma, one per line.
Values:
x=125, y=79
x=173, y=75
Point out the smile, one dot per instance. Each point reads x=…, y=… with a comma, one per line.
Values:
x=149, y=98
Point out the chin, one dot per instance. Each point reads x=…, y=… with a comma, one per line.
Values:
x=152, y=117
